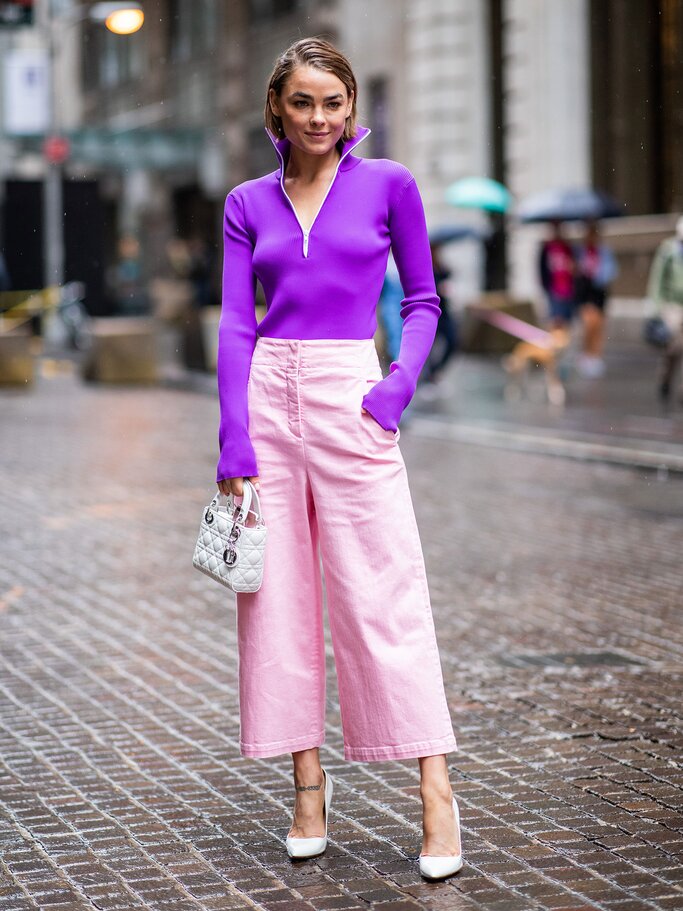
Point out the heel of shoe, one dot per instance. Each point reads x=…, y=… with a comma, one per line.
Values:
x=437, y=867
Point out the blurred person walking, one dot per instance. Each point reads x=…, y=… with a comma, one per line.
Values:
x=665, y=290
x=305, y=408
x=557, y=274
x=200, y=269
x=389, y=309
x=596, y=270
x=131, y=299
x=446, y=339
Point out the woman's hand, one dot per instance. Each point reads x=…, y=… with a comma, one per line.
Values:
x=235, y=485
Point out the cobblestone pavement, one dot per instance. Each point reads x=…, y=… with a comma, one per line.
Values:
x=556, y=588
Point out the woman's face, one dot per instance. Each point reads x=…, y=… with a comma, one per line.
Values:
x=313, y=105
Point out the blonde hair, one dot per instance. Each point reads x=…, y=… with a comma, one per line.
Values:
x=322, y=55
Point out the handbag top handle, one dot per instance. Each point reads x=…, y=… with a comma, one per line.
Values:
x=250, y=499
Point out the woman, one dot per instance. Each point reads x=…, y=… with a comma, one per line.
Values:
x=596, y=269
x=446, y=328
x=307, y=416
x=557, y=271
x=665, y=291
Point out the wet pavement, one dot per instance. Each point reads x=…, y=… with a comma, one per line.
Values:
x=557, y=591
x=617, y=417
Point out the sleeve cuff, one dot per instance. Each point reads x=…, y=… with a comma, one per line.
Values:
x=237, y=459
x=388, y=399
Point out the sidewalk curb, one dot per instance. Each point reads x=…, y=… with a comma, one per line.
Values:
x=624, y=453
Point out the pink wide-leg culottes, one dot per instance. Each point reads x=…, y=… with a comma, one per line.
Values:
x=335, y=498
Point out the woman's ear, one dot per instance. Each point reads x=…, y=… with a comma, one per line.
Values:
x=273, y=100
x=350, y=107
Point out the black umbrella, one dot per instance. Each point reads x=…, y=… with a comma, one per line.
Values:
x=447, y=234
x=568, y=205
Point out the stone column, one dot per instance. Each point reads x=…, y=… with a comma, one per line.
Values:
x=547, y=114
x=446, y=117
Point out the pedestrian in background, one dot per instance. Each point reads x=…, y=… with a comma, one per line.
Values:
x=596, y=269
x=199, y=270
x=665, y=290
x=446, y=339
x=390, y=310
x=304, y=406
x=557, y=273
x=131, y=299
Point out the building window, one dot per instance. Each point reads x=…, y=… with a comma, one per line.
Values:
x=637, y=125
x=192, y=27
x=265, y=10
x=379, y=116
x=262, y=157
x=110, y=60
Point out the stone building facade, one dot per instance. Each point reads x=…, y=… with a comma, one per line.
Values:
x=534, y=93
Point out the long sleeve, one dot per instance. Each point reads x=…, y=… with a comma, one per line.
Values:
x=236, y=341
x=420, y=309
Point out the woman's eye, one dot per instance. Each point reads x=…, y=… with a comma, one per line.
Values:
x=331, y=104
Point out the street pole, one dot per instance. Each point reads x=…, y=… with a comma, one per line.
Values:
x=53, y=187
x=53, y=202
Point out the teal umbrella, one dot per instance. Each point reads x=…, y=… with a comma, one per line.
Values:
x=479, y=193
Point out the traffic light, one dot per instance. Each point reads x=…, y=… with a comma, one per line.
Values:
x=14, y=13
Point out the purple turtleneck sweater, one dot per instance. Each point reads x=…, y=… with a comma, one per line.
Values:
x=322, y=283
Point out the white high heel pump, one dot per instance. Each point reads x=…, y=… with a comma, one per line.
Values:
x=311, y=847
x=437, y=867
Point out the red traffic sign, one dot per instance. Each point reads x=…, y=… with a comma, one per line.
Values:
x=56, y=149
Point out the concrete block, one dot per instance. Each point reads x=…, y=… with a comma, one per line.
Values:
x=16, y=356
x=210, y=318
x=479, y=337
x=122, y=350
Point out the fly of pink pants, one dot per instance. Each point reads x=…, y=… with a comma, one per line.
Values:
x=334, y=490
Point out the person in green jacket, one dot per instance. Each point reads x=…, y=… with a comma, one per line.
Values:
x=665, y=290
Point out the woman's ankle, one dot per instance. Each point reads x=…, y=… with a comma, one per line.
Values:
x=309, y=780
x=440, y=790
x=434, y=778
x=308, y=771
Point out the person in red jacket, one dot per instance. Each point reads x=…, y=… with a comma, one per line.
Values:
x=597, y=268
x=557, y=271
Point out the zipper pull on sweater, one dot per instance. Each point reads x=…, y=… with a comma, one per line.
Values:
x=306, y=234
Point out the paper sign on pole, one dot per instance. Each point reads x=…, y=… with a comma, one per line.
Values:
x=26, y=101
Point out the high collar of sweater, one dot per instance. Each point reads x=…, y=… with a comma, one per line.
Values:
x=282, y=147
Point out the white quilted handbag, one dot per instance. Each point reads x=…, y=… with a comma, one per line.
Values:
x=230, y=546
